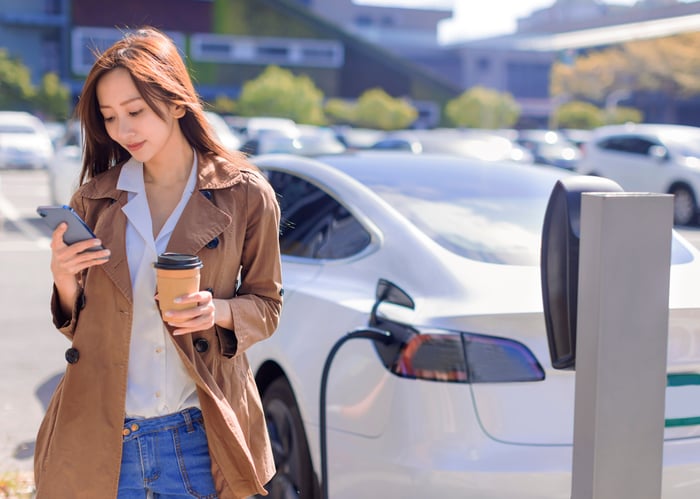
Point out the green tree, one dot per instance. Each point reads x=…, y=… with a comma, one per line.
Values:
x=340, y=111
x=278, y=92
x=16, y=90
x=377, y=109
x=578, y=114
x=52, y=100
x=480, y=107
x=666, y=68
x=224, y=105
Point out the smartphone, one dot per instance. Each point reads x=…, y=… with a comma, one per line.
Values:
x=77, y=228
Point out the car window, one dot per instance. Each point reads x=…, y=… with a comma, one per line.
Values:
x=627, y=144
x=9, y=128
x=314, y=225
x=393, y=144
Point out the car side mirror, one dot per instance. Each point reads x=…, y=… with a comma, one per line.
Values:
x=658, y=152
x=561, y=233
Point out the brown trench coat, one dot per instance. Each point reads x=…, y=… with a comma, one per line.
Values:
x=79, y=443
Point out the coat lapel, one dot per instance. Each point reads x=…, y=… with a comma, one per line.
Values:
x=110, y=228
x=200, y=222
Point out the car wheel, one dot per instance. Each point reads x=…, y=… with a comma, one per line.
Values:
x=684, y=207
x=295, y=477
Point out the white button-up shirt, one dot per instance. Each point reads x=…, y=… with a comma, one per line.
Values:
x=157, y=380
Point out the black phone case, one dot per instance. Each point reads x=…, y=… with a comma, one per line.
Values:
x=77, y=228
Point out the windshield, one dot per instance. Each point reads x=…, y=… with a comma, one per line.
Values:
x=491, y=212
x=482, y=211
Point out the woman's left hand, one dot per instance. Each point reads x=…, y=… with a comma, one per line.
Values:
x=197, y=318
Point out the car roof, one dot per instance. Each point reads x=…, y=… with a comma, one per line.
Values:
x=387, y=166
x=19, y=116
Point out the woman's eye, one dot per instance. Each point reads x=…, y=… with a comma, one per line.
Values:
x=135, y=113
x=107, y=119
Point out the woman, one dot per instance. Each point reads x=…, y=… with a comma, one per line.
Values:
x=150, y=405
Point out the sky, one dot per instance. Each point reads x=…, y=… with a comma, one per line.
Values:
x=478, y=18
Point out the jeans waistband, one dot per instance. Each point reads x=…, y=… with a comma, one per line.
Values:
x=134, y=427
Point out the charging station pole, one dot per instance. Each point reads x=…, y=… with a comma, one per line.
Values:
x=621, y=346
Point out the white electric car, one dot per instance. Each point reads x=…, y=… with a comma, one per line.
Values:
x=442, y=253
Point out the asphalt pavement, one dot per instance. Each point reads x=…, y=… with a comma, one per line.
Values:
x=32, y=354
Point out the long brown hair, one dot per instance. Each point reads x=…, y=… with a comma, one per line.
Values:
x=160, y=76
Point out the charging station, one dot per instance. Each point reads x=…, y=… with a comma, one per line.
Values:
x=605, y=281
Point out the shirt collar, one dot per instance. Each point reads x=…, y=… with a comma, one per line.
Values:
x=131, y=177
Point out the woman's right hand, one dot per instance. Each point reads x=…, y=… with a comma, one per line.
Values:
x=69, y=260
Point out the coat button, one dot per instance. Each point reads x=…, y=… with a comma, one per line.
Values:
x=72, y=355
x=213, y=243
x=206, y=194
x=201, y=345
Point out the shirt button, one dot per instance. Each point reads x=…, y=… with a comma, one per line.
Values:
x=158, y=394
x=159, y=350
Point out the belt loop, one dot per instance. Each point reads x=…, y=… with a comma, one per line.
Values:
x=188, y=420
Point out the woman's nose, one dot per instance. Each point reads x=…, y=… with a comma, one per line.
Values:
x=124, y=128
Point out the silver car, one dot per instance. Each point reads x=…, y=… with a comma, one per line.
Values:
x=24, y=141
x=649, y=158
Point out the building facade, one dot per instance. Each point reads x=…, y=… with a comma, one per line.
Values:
x=409, y=33
x=521, y=63
x=343, y=47
x=225, y=43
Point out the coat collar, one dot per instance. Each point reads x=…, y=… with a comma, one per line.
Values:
x=212, y=173
x=201, y=220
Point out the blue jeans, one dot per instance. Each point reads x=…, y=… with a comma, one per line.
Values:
x=166, y=457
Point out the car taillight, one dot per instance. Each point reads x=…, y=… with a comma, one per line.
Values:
x=460, y=358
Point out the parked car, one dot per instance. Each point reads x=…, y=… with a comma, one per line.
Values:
x=64, y=167
x=251, y=127
x=443, y=252
x=306, y=140
x=228, y=138
x=24, y=141
x=550, y=147
x=649, y=158
x=485, y=145
x=577, y=135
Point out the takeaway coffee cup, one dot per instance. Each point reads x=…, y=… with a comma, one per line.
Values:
x=177, y=274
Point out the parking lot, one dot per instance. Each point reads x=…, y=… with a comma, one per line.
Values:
x=33, y=356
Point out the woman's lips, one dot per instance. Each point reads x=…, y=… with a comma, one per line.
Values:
x=136, y=146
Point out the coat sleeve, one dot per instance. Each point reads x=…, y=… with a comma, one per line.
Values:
x=258, y=302
x=64, y=323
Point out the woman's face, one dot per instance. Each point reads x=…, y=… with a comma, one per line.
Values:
x=129, y=120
